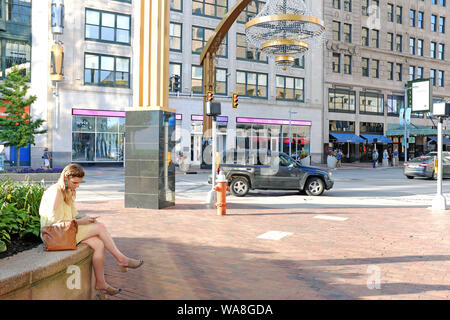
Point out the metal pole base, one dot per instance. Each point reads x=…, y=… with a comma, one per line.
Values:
x=211, y=199
x=439, y=203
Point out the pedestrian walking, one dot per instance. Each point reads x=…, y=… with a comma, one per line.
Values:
x=385, y=158
x=375, y=158
x=47, y=157
x=395, y=157
x=57, y=204
x=338, y=158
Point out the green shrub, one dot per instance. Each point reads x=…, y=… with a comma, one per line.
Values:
x=19, y=210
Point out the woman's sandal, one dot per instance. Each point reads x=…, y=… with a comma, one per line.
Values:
x=132, y=263
x=101, y=294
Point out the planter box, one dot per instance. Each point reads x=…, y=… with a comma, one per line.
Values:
x=31, y=177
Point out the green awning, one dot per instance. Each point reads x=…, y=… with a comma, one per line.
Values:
x=398, y=130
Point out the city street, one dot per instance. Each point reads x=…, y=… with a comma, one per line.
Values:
x=370, y=237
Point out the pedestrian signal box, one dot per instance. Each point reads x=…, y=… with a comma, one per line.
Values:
x=210, y=96
x=235, y=100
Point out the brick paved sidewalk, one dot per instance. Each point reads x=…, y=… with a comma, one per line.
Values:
x=191, y=253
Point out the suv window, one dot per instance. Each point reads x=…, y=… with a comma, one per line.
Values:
x=284, y=161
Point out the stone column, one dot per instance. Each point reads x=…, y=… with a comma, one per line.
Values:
x=150, y=124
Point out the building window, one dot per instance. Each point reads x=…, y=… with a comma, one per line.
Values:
x=442, y=3
x=420, y=23
x=390, y=70
x=210, y=8
x=412, y=18
x=347, y=32
x=441, y=24
x=336, y=31
x=251, y=84
x=200, y=37
x=18, y=11
x=103, y=70
x=433, y=22
x=197, y=79
x=420, y=47
x=107, y=26
x=441, y=78
x=347, y=64
x=394, y=104
x=412, y=72
x=412, y=46
x=290, y=88
x=299, y=63
x=176, y=5
x=98, y=138
x=370, y=102
x=341, y=126
x=398, y=72
x=375, y=38
x=419, y=72
x=243, y=51
x=371, y=127
x=336, y=4
x=433, y=1
x=175, y=36
x=376, y=7
x=348, y=5
x=365, y=7
x=16, y=53
x=365, y=67
x=433, y=50
x=336, y=62
x=174, y=70
x=433, y=76
x=365, y=36
x=221, y=81
x=390, y=39
x=399, y=13
x=375, y=64
x=399, y=43
x=252, y=9
x=341, y=100
x=441, y=51
x=390, y=12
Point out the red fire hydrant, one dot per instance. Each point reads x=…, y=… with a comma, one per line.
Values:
x=221, y=188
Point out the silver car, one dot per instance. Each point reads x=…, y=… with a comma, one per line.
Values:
x=423, y=166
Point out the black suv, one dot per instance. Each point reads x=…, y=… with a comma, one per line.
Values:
x=248, y=169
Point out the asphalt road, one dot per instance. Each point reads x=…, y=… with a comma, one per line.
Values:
x=353, y=188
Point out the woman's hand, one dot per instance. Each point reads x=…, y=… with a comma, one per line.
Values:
x=87, y=220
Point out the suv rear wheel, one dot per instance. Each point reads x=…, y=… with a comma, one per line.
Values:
x=239, y=186
x=314, y=186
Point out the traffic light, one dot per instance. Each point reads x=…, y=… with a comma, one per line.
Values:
x=235, y=100
x=176, y=83
x=210, y=96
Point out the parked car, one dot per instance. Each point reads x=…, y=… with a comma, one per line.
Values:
x=423, y=166
x=247, y=170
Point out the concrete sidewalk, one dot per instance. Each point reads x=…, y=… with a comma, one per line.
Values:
x=191, y=253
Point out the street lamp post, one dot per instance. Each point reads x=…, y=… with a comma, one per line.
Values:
x=290, y=133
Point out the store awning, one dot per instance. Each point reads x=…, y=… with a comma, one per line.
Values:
x=380, y=138
x=347, y=137
x=444, y=139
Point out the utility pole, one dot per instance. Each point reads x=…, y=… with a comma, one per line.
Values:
x=290, y=134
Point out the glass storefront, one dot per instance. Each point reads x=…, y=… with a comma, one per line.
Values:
x=272, y=134
x=98, y=139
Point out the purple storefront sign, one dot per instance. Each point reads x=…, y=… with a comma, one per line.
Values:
x=99, y=113
x=197, y=117
x=273, y=121
x=178, y=116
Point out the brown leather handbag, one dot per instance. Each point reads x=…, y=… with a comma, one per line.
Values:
x=60, y=235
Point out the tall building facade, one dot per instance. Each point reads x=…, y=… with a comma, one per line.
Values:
x=85, y=111
x=374, y=47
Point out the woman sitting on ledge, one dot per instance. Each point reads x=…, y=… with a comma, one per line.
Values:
x=57, y=204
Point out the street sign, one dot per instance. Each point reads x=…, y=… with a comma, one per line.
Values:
x=420, y=96
x=408, y=116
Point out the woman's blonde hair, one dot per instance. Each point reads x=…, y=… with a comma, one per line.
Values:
x=70, y=171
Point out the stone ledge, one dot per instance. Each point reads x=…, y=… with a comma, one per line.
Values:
x=37, y=274
x=31, y=177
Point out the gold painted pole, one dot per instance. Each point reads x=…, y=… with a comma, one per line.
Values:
x=151, y=85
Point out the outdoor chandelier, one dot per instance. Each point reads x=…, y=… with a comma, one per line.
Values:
x=286, y=30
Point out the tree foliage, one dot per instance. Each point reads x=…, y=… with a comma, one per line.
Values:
x=17, y=128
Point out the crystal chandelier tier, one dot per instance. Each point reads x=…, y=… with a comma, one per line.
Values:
x=285, y=28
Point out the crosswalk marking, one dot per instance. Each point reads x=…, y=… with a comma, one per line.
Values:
x=330, y=218
x=274, y=235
